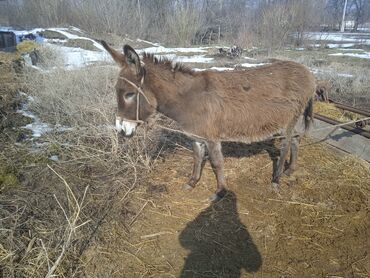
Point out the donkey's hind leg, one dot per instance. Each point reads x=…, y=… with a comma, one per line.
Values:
x=217, y=163
x=293, y=156
x=284, y=149
x=199, y=151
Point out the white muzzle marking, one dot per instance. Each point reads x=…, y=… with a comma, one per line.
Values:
x=128, y=128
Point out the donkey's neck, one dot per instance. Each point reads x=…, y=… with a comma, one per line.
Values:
x=171, y=88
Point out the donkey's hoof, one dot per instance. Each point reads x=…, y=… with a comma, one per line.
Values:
x=217, y=196
x=288, y=172
x=275, y=187
x=187, y=187
x=214, y=198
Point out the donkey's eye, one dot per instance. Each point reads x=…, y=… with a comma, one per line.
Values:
x=129, y=95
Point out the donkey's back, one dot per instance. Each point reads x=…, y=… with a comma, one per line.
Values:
x=253, y=104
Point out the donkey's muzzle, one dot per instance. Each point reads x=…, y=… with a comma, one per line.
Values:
x=126, y=128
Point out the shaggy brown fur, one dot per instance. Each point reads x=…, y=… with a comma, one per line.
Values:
x=247, y=105
x=242, y=105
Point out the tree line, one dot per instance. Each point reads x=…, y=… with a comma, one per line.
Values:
x=267, y=23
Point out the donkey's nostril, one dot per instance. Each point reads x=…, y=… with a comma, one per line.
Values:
x=122, y=133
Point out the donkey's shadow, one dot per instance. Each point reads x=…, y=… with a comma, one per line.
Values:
x=170, y=142
x=219, y=243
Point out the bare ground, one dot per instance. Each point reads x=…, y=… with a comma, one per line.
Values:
x=317, y=227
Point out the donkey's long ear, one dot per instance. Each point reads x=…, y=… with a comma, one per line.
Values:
x=132, y=59
x=118, y=57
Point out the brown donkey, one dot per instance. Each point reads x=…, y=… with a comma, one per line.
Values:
x=242, y=105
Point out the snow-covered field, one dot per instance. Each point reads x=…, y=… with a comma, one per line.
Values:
x=74, y=57
x=345, y=41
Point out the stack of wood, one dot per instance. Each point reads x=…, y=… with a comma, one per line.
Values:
x=232, y=52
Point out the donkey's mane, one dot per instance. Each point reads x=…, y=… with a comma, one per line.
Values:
x=166, y=62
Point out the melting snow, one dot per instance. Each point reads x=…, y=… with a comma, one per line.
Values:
x=215, y=68
x=249, y=65
x=365, y=55
x=193, y=59
x=37, y=127
x=351, y=49
x=162, y=49
x=230, y=69
x=321, y=71
x=148, y=42
x=346, y=39
x=221, y=68
x=54, y=158
x=77, y=57
x=186, y=59
x=64, y=31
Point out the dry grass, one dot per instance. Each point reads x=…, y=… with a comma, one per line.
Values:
x=42, y=212
x=26, y=46
x=352, y=90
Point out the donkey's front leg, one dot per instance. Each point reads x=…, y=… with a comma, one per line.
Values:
x=199, y=151
x=217, y=163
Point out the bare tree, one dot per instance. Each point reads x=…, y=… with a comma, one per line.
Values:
x=176, y=21
x=344, y=16
x=358, y=12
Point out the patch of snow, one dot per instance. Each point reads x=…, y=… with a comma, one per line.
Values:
x=221, y=68
x=55, y=40
x=250, y=58
x=333, y=45
x=351, y=49
x=186, y=59
x=321, y=71
x=363, y=29
x=193, y=59
x=336, y=45
x=249, y=65
x=37, y=127
x=162, y=49
x=345, y=75
x=77, y=57
x=344, y=38
x=365, y=55
x=214, y=68
x=64, y=31
x=54, y=158
x=75, y=29
x=148, y=42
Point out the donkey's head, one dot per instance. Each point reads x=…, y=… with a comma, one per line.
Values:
x=135, y=104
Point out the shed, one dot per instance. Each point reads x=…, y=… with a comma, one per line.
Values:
x=8, y=41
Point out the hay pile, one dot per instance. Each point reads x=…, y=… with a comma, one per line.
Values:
x=329, y=110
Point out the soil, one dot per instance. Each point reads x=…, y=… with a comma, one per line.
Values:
x=317, y=226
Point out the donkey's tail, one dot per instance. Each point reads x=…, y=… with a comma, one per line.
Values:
x=308, y=115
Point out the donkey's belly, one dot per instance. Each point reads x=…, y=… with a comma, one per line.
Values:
x=250, y=138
